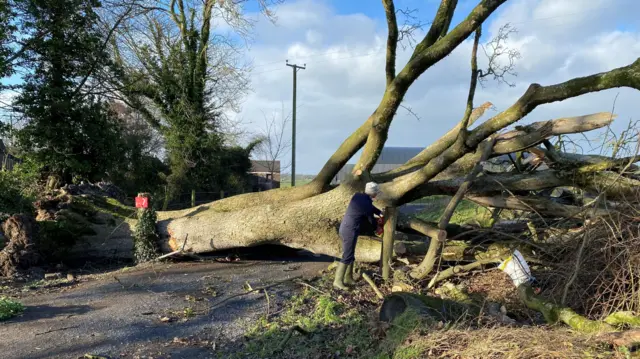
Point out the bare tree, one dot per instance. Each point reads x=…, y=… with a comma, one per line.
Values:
x=275, y=145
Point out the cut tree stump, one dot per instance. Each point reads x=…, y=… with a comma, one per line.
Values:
x=396, y=304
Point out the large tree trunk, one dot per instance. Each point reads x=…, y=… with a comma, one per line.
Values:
x=310, y=223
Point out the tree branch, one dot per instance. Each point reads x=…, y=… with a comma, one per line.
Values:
x=628, y=76
x=392, y=39
x=542, y=206
x=472, y=85
x=439, y=26
x=104, y=46
x=435, y=246
x=422, y=61
x=459, y=269
x=433, y=150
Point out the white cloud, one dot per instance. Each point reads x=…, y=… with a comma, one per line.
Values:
x=344, y=79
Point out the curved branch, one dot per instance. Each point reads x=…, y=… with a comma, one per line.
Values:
x=426, y=266
x=627, y=76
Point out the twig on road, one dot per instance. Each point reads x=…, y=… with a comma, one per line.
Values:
x=312, y=287
x=57, y=330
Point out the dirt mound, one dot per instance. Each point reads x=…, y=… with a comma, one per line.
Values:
x=49, y=205
x=19, y=253
x=103, y=189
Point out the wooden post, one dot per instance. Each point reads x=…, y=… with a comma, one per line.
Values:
x=390, y=220
x=193, y=198
x=221, y=194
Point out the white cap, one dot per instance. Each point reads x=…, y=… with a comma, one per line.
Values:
x=372, y=189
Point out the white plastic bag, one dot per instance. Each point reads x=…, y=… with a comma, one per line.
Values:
x=517, y=268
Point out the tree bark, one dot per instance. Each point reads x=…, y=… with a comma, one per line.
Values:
x=391, y=216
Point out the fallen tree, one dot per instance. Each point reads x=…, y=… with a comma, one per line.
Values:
x=308, y=216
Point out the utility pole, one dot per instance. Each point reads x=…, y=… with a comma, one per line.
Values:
x=293, y=126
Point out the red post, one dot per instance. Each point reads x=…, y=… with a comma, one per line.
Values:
x=142, y=200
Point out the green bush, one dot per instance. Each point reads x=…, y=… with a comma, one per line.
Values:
x=18, y=188
x=145, y=236
x=9, y=308
x=12, y=198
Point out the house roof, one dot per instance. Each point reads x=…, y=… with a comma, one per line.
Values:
x=265, y=166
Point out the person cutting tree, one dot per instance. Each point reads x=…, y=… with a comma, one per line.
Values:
x=359, y=219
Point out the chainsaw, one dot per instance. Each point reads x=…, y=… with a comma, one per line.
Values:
x=380, y=227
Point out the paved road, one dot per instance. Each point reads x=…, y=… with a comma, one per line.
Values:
x=123, y=319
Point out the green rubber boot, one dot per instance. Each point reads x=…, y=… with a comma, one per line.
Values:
x=348, y=275
x=338, y=282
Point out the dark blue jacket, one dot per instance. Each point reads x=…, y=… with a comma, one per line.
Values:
x=360, y=211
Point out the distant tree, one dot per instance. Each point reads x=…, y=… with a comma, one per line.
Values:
x=275, y=145
x=69, y=134
x=7, y=29
x=140, y=168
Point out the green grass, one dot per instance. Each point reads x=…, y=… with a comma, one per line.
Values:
x=9, y=308
x=334, y=327
x=466, y=212
x=345, y=325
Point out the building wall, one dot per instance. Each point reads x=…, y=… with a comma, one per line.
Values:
x=259, y=181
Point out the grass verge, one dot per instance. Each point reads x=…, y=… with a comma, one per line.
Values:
x=345, y=325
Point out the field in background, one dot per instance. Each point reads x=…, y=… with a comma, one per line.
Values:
x=466, y=212
x=300, y=180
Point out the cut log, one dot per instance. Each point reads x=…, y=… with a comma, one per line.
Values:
x=437, y=309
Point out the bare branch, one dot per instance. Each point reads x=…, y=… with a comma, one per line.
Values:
x=107, y=39
x=472, y=85
x=275, y=144
x=410, y=26
x=495, y=50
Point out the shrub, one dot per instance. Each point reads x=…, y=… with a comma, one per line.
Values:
x=9, y=308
